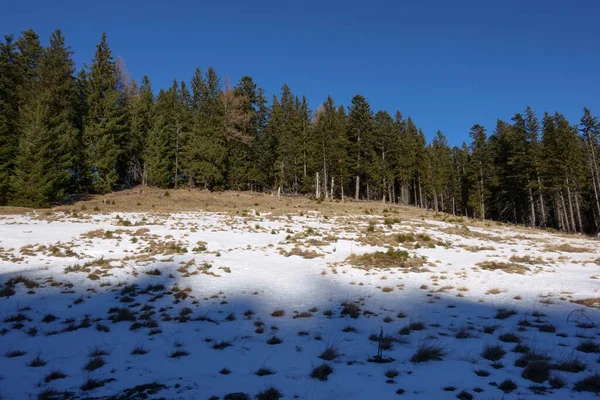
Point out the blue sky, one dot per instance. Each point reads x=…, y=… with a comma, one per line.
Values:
x=446, y=64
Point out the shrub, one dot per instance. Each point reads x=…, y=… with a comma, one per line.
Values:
x=493, y=353
x=481, y=372
x=224, y=371
x=427, y=352
x=321, y=372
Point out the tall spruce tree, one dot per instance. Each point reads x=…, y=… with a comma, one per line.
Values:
x=43, y=164
x=360, y=132
x=105, y=122
x=9, y=111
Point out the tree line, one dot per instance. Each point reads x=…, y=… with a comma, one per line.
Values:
x=95, y=130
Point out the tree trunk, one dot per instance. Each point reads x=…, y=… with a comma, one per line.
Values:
x=542, y=206
x=342, y=187
x=571, y=213
x=564, y=211
x=482, y=200
x=357, y=188
x=532, y=207
x=435, y=200
x=318, y=188
x=331, y=196
x=453, y=206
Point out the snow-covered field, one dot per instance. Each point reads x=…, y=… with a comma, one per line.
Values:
x=194, y=305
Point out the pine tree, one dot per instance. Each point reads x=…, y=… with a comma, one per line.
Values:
x=360, y=131
x=105, y=122
x=47, y=118
x=590, y=131
x=9, y=110
x=141, y=122
x=206, y=152
x=162, y=139
x=440, y=158
x=328, y=146
x=480, y=171
x=382, y=169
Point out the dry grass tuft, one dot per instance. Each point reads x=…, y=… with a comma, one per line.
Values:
x=509, y=268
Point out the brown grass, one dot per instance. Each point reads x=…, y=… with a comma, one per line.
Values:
x=509, y=268
x=389, y=259
x=567, y=248
x=593, y=302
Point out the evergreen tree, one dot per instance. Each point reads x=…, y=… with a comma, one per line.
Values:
x=590, y=131
x=329, y=147
x=9, y=111
x=206, y=152
x=162, y=139
x=141, y=122
x=360, y=131
x=382, y=168
x=480, y=171
x=47, y=119
x=440, y=158
x=105, y=123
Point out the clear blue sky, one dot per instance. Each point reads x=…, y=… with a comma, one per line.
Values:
x=446, y=64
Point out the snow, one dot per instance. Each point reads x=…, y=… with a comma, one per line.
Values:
x=262, y=279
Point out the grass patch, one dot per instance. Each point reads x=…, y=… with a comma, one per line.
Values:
x=94, y=363
x=505, y=312
x=270, y=393
x=321, y=372
x=391, y=258
x=588, y=384
x=588, y=346
x=493, y=352
x=264, y=371
x=427, y=352
x=53, y=375
x=507, y=386
x=509, y=268
x=537, y=371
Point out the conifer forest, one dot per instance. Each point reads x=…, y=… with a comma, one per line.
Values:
x=96, y=130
